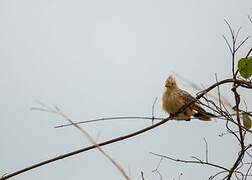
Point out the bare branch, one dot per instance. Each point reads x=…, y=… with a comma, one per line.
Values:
x=111, y=118
x=191, y=161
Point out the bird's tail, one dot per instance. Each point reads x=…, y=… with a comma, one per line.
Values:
x=201, y=114
x=204, y=116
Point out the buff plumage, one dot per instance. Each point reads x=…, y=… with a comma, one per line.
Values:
x=174, y=98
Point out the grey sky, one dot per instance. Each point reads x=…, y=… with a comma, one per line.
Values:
x=107, y=58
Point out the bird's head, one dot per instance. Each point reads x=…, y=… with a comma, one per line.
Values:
x=170, y=82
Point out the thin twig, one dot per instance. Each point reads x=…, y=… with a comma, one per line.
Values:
x=180, y=175
x=219, y=95
x=156, y=170
x=196, y=158
x=230, y=29
x=153, y=109
x=159, y=163
x=227, y=133
x=232, y=49
x=109, y=119
x=217, y=174
x=237, y=34
x=136, y=118
x=249, y=18
x=142, y=175
x=206, y=149
x=248, y=53
x=238, y=47
x=246, y=175
x=191, y=161
x=229, y=46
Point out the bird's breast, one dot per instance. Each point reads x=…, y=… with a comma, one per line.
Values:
x=170, y=103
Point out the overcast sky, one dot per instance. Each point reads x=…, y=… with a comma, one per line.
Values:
x=106, y=58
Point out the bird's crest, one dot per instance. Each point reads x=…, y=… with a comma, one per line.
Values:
x=170, y=82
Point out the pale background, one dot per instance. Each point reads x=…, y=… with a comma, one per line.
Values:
x=105, y=58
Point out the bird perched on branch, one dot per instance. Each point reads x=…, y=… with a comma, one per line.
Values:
x=174, y=99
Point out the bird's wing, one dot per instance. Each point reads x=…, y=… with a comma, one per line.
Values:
x=185, y=97
x=197, y=110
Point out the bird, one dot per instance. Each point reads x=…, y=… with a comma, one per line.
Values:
x=175, y=98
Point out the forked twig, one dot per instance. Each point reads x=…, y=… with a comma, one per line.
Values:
x=156, y=170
